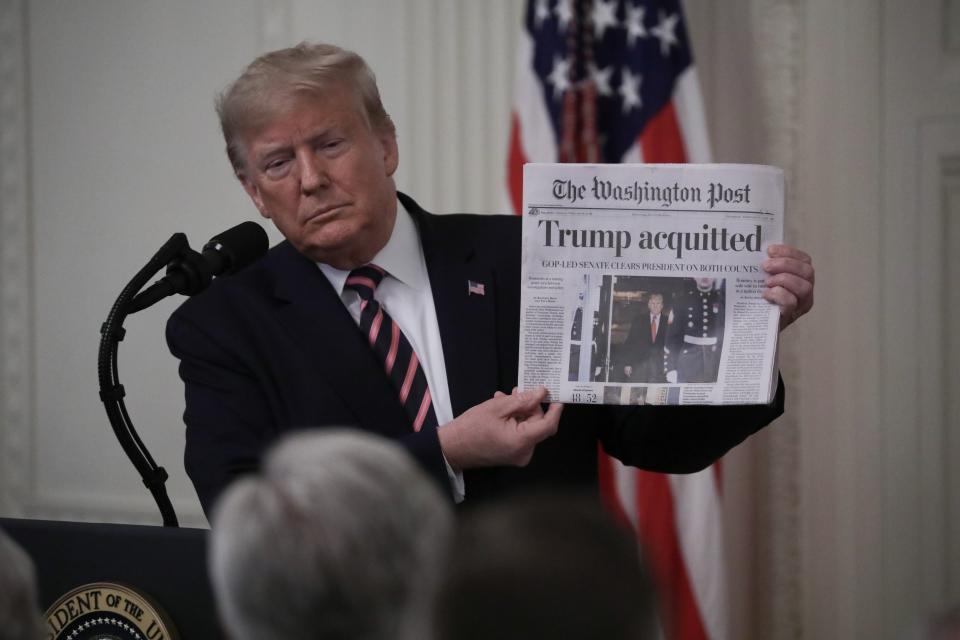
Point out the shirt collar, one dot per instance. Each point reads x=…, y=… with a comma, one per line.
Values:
x=401, y=257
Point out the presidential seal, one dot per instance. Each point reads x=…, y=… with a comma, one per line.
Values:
x=107, y=611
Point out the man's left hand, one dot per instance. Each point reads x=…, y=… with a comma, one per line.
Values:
x=790, y=278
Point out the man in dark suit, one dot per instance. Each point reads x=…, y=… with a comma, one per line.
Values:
x=277, y=346
x=642, y=355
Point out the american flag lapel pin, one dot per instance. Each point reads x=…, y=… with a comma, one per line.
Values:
x=475, y=288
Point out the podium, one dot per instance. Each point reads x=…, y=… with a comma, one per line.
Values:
x=166, y=564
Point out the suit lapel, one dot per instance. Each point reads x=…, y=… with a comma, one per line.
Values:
x=317, y=320
x=467, y=319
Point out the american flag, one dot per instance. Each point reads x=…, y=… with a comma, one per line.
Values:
x=475, y=288
x=613, y=81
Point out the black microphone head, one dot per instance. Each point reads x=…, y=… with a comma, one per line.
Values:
x=236, y=247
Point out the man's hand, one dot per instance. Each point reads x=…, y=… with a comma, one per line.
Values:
x=501, y=431
x=628, y=371
x=790, y=278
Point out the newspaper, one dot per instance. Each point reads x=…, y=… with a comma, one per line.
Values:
x=641, y=284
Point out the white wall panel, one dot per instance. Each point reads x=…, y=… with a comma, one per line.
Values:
x=113, y=145
x=124, y=151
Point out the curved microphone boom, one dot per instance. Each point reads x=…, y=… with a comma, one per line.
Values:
x=188, y=272
x=191, y=272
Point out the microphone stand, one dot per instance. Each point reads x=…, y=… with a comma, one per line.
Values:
x=112, y=392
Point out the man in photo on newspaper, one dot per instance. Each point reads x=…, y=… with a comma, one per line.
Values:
x=642, y=353
x=695, y=335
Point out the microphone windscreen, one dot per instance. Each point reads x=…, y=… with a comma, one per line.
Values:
x=239, y=246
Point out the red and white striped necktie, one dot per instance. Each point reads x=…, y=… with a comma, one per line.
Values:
x=392, y=347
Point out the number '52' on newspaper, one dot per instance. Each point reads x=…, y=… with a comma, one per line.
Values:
x=642, y=283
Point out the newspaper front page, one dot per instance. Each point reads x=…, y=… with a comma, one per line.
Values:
x=641, y=284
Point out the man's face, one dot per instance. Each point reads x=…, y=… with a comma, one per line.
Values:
x=655, y=304
x=325, y=179
x=705, y=284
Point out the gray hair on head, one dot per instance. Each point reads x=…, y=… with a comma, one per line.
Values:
x=341, y=535
x=19, y=615
x=278, y=80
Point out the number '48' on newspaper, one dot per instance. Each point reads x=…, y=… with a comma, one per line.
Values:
x=642, y=283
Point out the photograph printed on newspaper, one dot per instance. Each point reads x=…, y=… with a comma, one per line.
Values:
x=642, y=283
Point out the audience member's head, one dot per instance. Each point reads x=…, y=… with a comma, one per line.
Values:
x=19, y=613
x=545, y=566
x=341, y=535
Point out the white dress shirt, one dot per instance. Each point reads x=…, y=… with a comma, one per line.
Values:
x=406, y=295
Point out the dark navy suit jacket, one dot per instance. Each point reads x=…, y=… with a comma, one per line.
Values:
x=273, y=348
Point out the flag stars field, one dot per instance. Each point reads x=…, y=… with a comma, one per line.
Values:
x=541, y=12
x=601, y=79
x=666, y=32
x=615, y=25
x=604, y=16
x=564, y=13
x=560, y=76
x=634, y=24
x=630, y=90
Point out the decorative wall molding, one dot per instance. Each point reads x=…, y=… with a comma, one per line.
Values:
x=950, y=166
x=461, y=55
x=778, y=29
x=938, y=230
x=16, y=339
x=919, y=271
x=950, y=19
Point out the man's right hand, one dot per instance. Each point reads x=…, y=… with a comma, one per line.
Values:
x=501, y=431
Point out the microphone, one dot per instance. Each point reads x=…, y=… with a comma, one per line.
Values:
x=235, y=248
x=191, y=272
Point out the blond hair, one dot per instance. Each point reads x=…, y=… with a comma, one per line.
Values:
x=278, y=80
